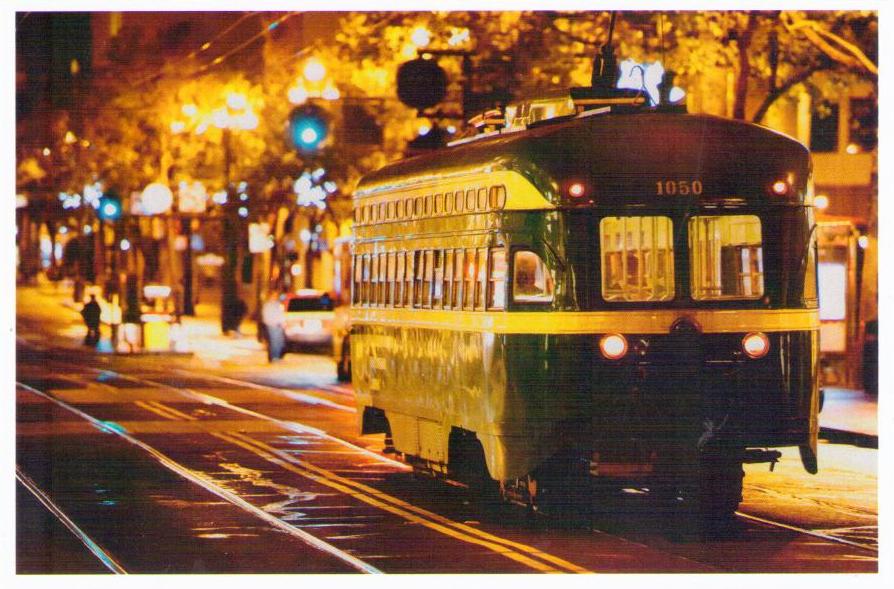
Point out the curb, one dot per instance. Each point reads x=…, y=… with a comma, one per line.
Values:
x=838, y=436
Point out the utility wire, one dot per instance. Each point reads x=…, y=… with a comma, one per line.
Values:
x=203, y=47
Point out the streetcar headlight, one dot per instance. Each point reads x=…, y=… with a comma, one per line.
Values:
x=755, y=345
x=613, y=346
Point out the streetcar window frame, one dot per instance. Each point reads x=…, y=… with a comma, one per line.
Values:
x=736, y=263
x=654, y=269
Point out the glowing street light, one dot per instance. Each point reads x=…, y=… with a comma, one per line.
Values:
x=314, y=70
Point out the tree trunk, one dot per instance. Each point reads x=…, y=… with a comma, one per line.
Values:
x=744, y=43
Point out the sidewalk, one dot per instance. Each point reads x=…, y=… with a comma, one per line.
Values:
x=848, y=415
x=201, y=333
x=851, y=415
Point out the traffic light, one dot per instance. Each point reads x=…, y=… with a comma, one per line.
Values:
x=109, y=207
x=308, y=127
x=421, y=83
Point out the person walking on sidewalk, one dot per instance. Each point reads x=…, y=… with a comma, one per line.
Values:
x=91, y=314
x=274, y=317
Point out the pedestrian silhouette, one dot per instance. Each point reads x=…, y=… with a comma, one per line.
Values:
x=91, y=313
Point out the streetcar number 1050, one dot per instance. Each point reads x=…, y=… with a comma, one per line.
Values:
x=681, y=187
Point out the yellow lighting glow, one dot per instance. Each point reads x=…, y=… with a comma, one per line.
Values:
x=459, y=37
x=297, y=95
x=177, y=126
x=408, y=51
x=852, y=148
x=46, y=151
x=236, y=101
x=330, y=92
x=220, y=118
x=821, y=202
x=420, y=36
x=314, y=70
x=70, y=137
x=190, y=110
x=863, y=242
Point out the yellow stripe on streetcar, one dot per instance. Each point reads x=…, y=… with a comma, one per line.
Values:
x=584, y=322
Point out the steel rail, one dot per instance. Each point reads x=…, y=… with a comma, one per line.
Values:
x=209, y=485
x=807, y=532
x=523, y=553
x=104, y=557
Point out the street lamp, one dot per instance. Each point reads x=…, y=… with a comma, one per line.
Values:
x=236, y=113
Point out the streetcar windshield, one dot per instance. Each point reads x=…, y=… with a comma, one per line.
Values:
x=637, y=258
x=726, y=257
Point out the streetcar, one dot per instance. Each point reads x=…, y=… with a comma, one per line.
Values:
x=590, y=292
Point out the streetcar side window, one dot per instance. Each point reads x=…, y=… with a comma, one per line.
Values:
x=531, y=280
x=637, y=258
x=726, y=257
x=438, y=296
x=481, y=278
x=392, y=263
x=496, y=298
x=364, y=288
x=448, y=279
x=457, y=279
x=420, y=270
x=408, y=291
x=427, y=279
x=399, y=280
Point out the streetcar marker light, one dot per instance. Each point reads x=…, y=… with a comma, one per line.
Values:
x=780, y=187
x=821, y=202
x=755, y=345
x=576, y=190
x=613, y=346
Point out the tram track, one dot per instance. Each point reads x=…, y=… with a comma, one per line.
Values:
x=367, y=494
x=528, y=556
x=206, y=483
x=95, y=549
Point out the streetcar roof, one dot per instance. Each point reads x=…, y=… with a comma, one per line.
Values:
x=612, y=151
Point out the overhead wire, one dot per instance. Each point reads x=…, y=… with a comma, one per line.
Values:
x=202, y=48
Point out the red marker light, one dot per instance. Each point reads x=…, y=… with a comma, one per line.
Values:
x=780, y=187
x=613, y=346
x=576, y=190
x=755, y=345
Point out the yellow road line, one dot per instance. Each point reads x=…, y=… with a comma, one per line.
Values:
x=410, y=512
x=522, y=553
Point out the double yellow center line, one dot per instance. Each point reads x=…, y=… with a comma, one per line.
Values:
x=521, y=553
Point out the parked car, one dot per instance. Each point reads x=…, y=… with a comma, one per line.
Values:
x=308, y=325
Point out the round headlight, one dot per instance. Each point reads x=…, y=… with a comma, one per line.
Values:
x=755, y=345
x=613, y=346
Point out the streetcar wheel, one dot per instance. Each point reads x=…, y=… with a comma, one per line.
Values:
x=467, y=465
x=706, y=492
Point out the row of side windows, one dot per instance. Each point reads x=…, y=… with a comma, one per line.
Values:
x=471, y=279
x=432, y=205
